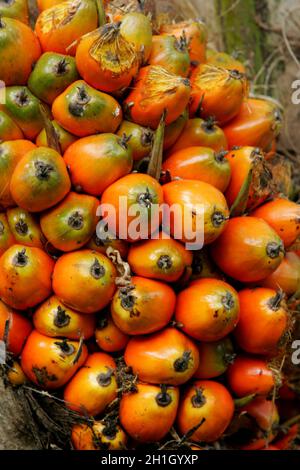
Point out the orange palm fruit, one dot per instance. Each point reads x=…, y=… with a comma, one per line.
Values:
x=157, y=90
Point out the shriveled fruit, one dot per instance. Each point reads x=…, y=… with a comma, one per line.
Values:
x=221, y=59
x=70, y=224
x=171, y=53
x=200, y=163
x=51, y=362
x=14, y=37
x=6, y=235
x=148, y=414
x=25, y=276
x=200, y=133
x=162, y=259
x=134, y=196
x=53, y=319
x=219, y=306
x=97, y=161
x=250, y=375
x=51, y=75
x=156, y=90
x=248, y=250
x=263, y=321
x=283, y=216
x=109, y=57
x=207, y=208
x=14, y=329
x=215, y=357
x=142, y=307
x=93, y=387
x=60, y=26
x=84, y=280
x=40, y=180
x=206, y=402
x=83, y=111
x=108, y=336
x=286, y=276
x=101, y=435
x=140, y=139
x=214, y=85
x=256, y=125
x=242, y=161
x=167, y=357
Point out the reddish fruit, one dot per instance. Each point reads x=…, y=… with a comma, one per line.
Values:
x=50, y=362
x=157, y=90
x=53, y=319
x=15, y=37
x=256, y=125
x=206, y=402
x=9, y=130
x=243, y=161
x=167, y=357
x=148, y=414
x=286, y=276
x=11, y=153
x=135, y=193
x=263, y=321
x=163, y=259
x=84, y=280
x=205, y=203
x=248, y=250
x=108, y=336
x=101, y=435
x=200, y=133
x=62, y=25
x=14, y=329
x=214, y=85
x=219, y=306
x=25, y=276
x=200, y=163
x=250, y=375
x=143, y=307
x=6, y=235
x=93, y=387
x=97, y=161
x=266, y=416
x=284, y=217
